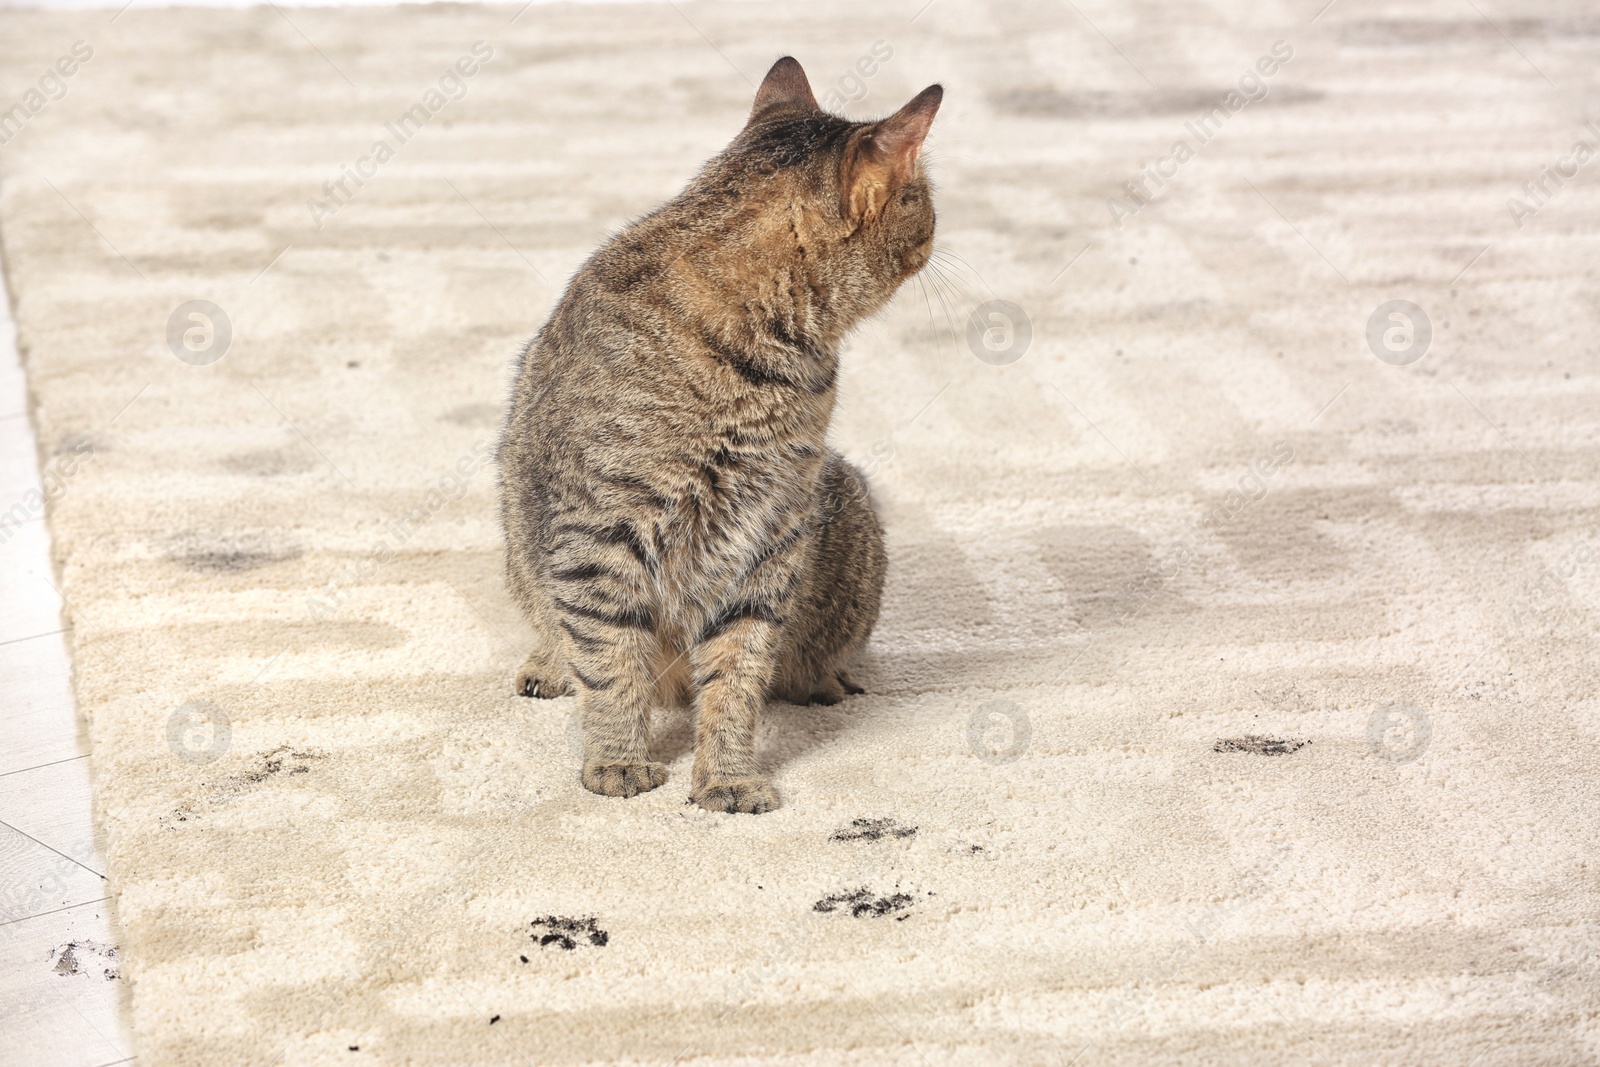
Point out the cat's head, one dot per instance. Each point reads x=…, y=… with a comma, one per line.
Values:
x=850, y=202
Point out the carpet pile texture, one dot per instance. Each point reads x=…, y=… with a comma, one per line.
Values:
x=1234, y=697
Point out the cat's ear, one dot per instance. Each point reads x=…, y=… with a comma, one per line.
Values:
x=785, y=88
x=882, y=157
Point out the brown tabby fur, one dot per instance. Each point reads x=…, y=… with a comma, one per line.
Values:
x=676, y=526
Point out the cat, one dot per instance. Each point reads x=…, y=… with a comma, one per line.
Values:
x=676, y=527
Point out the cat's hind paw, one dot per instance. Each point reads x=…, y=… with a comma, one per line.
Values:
x=830, y=691
x=537, y=677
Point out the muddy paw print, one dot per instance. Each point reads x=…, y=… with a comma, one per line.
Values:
x=865, y=904
x=566, y=933
x=1258, y=745
x=872, y=830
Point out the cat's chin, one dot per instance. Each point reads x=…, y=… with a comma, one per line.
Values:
x=918, y=262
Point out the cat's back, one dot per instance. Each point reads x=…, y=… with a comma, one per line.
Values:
x=618, y=309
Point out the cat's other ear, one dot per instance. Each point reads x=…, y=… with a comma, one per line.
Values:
x=883, y=156
x=785, y=88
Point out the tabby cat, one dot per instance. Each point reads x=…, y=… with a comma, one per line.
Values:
x=677, y=528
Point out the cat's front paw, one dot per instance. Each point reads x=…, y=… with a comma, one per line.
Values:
x=752, y=796
x=626, y=778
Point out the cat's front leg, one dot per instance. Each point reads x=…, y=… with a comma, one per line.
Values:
x=733, y=664
x=615, y=691
x=599, y=580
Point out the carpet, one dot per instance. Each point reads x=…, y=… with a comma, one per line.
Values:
x=1234, y=695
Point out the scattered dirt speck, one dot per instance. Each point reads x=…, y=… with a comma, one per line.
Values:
x=283, y=760
x=86, y=957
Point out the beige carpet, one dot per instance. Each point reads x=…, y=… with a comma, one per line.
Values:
x=1234, y=699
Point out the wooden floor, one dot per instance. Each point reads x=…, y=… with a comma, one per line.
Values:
x=58, y=1007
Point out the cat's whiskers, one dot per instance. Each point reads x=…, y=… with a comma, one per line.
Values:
x=957, y=264
x=945, y=289
x=933, y=330
x=942, y=292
